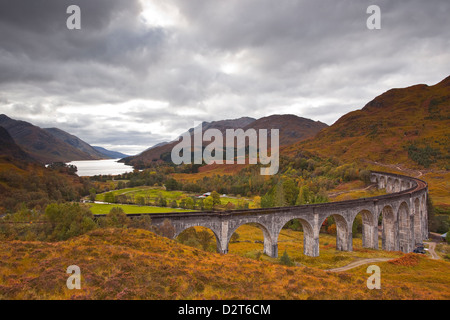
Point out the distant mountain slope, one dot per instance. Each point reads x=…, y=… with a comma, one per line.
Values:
x=292, y=128
x=40, y=144
x=154, y=153
x=9, y=148
x=75, y=142
x=110, y=154
x=409, y=125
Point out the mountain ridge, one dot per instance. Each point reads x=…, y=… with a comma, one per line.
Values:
x=402, y=125
x=291, y=128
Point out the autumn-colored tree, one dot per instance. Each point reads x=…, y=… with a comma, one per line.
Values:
x=230, y=206
x=109, y=197
x=208, y=203
x=189, y=203
x=116, y=218
x=279, y=197
x=167, y=229
x=234, y=237
x=204, y=237
x=68, y=220
x=290, y=191
x=332, y=229
x=256, y=202
x=216, y=198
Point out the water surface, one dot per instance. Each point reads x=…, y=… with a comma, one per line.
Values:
x=97, y=167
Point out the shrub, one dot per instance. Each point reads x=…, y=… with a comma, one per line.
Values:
x=286, y=260
x=116, y=218
x=68, y=220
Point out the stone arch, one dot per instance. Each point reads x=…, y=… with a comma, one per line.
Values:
x=389, y=185
x=404, y=228
x=417, y=221
x=310, y=242
x=389, y=240
x=220, y=247
x=369, y=229
x=404, y=185
x=382, y=182
x=270, y=245
x=396, y=186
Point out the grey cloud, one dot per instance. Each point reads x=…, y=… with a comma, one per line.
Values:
x=318, y=52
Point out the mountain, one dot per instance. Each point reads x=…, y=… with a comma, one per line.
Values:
x=407, y=125
x=292, y=128
x=75, y=142
x=9, y=148
x=40, y=144
x=110, y=154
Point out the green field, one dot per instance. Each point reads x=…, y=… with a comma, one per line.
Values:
x=98, y=208
x=151, y=194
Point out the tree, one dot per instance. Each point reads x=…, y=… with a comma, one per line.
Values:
x=208, y=203
x=230, y=206
x=116, y=218
x=162, y=202
x=303, y=195
x=267, y=201
x=68, y=220
x=216, y=198
x=234, y=237
x=290, y=191
x=256, y=202
x=189, y=203
x=171, y=184
x=332, y=229
x=204, y=237
x=141, y=222
x=110, y=197
x=286, y=260
x=140, y=200
x=279, y=198
x=167, y=229
x=92, y=194
x=173, y=204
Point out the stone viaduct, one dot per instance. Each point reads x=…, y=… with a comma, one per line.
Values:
x=402, y=212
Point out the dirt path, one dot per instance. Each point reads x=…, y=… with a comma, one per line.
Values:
x=358, y=263
x=338, y=193
x=410, y=172
x=431, y=250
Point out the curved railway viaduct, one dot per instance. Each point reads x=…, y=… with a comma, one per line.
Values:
x=403, y=214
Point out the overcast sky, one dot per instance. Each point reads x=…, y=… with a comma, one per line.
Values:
x=141, y=72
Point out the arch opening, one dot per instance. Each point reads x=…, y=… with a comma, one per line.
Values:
x=200, y=237
x=337, y=225
x=365, y=227
x=297, y=236
x=252, y=240
x=389, y=185
x=396, y=187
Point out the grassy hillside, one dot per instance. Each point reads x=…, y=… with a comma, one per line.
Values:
x=137, y=264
